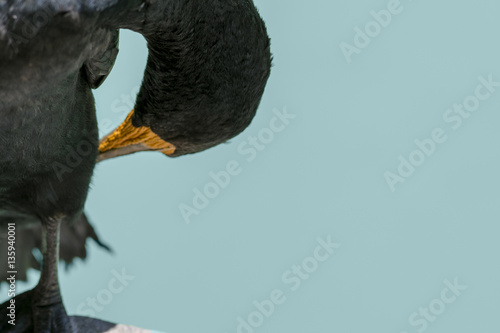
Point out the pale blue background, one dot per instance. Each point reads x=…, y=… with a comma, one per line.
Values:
x=323, y=175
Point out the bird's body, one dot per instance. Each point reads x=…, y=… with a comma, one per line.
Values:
x=208, y=64
x=47, y=114
x=40, y=144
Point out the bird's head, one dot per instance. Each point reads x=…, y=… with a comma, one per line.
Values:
x=207, y=69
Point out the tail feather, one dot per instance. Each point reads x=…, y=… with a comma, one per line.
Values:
x=73, y=240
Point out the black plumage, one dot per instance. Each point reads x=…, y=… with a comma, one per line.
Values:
x=208, y=65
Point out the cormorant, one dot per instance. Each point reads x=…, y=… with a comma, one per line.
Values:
x=208, y=64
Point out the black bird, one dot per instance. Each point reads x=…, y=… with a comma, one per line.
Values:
x=208, y=64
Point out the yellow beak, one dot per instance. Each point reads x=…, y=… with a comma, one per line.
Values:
x=127, y=139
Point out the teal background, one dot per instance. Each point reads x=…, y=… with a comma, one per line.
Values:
x=322, y=175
